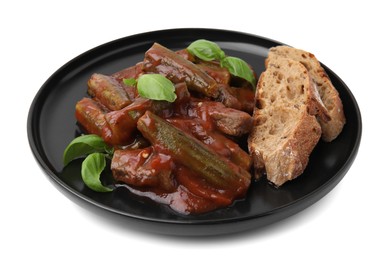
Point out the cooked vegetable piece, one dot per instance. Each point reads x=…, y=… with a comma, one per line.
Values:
x=108, y=91
x=143, y=168
x=191, y=153
x=212, y=68
x=161, y=60
x=200, y=188
x=186, y=55
x=182, y=92
x=115, y=127
x=123, y=122
x=130, y=72
x=215, y=141
x=91, y=116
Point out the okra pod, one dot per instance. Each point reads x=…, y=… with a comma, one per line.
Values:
x=108, y=91
x=193, y=154
x=221, y=75
x=130, y=72
x=214, y=140
x=164, y=61
x=91, y=117
x=123, y=122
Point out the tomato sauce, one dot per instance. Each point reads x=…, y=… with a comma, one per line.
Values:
x=207, y=111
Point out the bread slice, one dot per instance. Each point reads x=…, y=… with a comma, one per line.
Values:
x=330, y=97
x=284, y=132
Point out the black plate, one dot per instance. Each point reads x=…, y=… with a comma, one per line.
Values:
x=52, y=125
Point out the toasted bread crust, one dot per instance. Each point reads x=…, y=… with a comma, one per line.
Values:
x=285, y=129
x=333, y=124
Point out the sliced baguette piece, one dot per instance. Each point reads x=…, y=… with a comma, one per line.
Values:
x=330, y=97
x=284, y=132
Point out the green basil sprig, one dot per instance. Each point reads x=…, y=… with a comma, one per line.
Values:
x=84, y=145
x=237, y=66
x=153, y=86
x=96, y=151
x=92, y=168
x=208, y=51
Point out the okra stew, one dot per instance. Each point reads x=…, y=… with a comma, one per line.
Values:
x=172, y=128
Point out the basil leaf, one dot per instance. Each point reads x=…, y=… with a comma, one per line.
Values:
x=92, y=168
x=206, y=50
x=156, y=87
x=239, y=68
x=84, y=145
x=130, y=82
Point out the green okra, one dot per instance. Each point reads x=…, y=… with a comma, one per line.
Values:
x=193, y=154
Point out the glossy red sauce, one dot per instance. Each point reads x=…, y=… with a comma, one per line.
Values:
x=150, y=170
x=190, y=196
x=174, y=184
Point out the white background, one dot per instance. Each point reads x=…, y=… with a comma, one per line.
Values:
x=38, y=222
